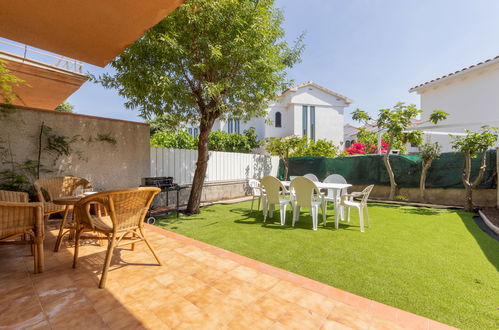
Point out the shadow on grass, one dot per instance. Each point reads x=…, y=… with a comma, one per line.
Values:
x=419, y=210
x=304, y=221
x=489, y=245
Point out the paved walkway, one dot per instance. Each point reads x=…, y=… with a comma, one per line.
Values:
x=199, y=287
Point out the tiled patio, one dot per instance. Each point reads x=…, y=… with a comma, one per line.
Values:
x=199, y=287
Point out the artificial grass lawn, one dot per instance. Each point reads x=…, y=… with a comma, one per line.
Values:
x=436, y=263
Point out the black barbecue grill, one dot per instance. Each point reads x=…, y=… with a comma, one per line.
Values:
x=166, y=184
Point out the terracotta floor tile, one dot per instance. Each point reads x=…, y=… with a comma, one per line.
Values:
x=146, y=316
x=227, y=283
x=120, y=318
x=186, y=286
x=248, y=319
x=301, y=318
x=200, y=320
x=383, y=311
x=332, y=325
x=412, y=320
x=205, y=296
x=270, y=306
x=381, y=324
x=168, y=276
x=174, y=310
x=258, y=279
x=357, y=301
x=225, y=309
x=21, y=313
x=83, y=318
x=287, y=291
x=350, y=316
x=315, y=302
x=207, y=274
x=199, y=287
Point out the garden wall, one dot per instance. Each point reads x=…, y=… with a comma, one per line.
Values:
x=222, y=166
x=445, y=171
x=444, y=184
x=438, y=196
x=112, y=154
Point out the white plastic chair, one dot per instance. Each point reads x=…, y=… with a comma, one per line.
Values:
x=311, y=177
x=347, y=201
x=306, y=194
x=256, y=192
x=332, y=194
x=275, y=194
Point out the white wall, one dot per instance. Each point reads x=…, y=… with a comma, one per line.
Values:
x=472, y=100
x=328, y=116
x=222, y=166
x=328, y=113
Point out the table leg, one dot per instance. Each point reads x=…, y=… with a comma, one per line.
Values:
x=178, y=202
x=61, y=229
x=336, y=210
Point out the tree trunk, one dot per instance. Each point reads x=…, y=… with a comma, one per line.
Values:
x=468, y=200
x=391, y=175
x=422, y=180
x=468, y=185
x=201, y=166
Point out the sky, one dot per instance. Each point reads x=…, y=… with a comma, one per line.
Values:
x=371, y=51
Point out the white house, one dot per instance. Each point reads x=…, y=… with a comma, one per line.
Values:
x=470, y=96
x=306, y=109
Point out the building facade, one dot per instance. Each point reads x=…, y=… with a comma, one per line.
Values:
x=469, y=96
x=303, y=110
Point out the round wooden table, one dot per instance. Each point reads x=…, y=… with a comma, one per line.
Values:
x=65, y=227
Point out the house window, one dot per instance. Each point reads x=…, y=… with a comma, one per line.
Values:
x=230, y=126
x=305, y=120
x=189, y=130
x=347, y=144
x=278, y=119
x=237, y=126
x=196, y=132
x=312, y=122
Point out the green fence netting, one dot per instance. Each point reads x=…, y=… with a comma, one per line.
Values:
x=445, y=171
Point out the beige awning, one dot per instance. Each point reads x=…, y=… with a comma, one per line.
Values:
x=46, y=86
x=92, y=31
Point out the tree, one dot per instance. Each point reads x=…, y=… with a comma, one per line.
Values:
x=282, y=147
x=208, y=60
x=65, y=107
x=7, y=83
x=471, y=145
x=394, y=122
x=428, y=152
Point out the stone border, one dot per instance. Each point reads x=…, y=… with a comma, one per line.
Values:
x=488, y=223
x=387, y=312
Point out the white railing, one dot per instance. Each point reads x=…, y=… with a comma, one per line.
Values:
x=222, y=166
x=33, y=54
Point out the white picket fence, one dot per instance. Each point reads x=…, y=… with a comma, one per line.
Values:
x=222, y=166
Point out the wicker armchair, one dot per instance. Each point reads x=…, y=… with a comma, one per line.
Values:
x=13, y=196
x=22, y=223
x=49, y=189
x=117, y=214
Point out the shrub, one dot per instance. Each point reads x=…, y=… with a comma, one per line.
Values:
x=218, y=140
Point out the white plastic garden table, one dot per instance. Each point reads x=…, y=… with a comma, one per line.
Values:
x=336, y=188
